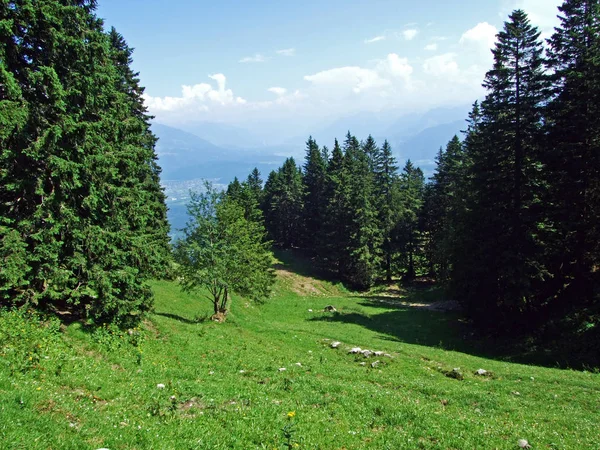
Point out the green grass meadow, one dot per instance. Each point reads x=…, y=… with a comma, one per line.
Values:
x=68, y=387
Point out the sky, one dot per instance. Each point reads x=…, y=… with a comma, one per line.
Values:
x=292, y=66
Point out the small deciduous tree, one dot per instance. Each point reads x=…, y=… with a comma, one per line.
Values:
x=223, y=252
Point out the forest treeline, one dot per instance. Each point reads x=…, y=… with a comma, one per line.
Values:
x=509, y=221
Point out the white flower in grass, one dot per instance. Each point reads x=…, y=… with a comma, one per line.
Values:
x=160, y=386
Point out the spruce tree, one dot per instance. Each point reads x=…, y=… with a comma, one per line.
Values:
x=573, y=156
x=362, y=255
x=445, y=206
x=255, y=185
x=372, y=151
x=335, y=223
x=501, y=264
x=82, y=216
x=283, y=204
x=407, y=236
x=315, y=169
x=387, y=204
x=234, y=189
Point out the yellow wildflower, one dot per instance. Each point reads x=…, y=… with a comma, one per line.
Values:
x=291, y=414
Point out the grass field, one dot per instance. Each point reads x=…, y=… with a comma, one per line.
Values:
x=224, y=387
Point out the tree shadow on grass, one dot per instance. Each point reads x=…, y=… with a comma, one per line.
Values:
x=182, y=319
x=298, y=262
x=408, y=325
x=408, y=320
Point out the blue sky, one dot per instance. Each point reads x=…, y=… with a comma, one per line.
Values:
x=299, y=64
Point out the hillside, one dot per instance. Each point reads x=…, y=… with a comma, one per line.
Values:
x=184, y=383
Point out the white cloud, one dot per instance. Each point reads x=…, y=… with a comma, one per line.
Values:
x=279, y=91
x=197, y=98
x=357, y=79
x=482, y=35
x=394, y=81
x=375, y=39
x=258, y=58
x=542, y=13
x=441, y=65
x=286, y=52
x=410, y=34
x=395, y=66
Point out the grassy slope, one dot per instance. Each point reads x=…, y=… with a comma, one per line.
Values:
x=89, y=397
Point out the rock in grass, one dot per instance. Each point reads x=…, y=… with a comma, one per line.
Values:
x=330, y=308
x=378, y=353
x=455, y=373
x=160, y=386
x=355, y=350
x=367, y=353
x=481, y=372
x=522, y=443
x=374, y=364
x=298, y=364
x=282, y=369
x=335, y=344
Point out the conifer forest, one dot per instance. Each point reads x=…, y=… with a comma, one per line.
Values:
x=506, y=228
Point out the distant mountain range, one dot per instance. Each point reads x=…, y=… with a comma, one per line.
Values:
x=201, y=152
x=185, y=156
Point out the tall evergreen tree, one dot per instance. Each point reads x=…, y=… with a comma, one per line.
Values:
x=407, y=232
x=334, y=223
x=283, y=204
x=387, y=204
x=255, y=185
x=315, y=172
x=362, y=256
x=234, y=189
x=372, y=151
x=139, y=167
x=573, y=158
x=82, y=217
x=502, y=262
x=445, y=206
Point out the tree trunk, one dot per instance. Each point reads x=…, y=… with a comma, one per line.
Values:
x=388, y=267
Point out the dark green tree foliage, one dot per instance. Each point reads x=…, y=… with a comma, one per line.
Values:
x=315, y=172
x=335, y=219
x=254, y=183
x=234, y=189
x=372, y=151
x=407, y=232
x=502, y=265
x=362, y=254
x=145, y=212
x=283, y=205
x=444, y=207
x=573, y=155
x=249, y=195
x=223, y=252
x=351, y=208
x=82, y=217
x=386, y=199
